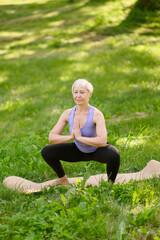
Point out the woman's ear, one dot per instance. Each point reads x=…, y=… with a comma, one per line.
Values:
x=90, y=94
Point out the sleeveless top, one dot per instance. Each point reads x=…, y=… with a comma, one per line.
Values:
x=89, y=130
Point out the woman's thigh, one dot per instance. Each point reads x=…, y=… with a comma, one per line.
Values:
x=105, y=154
x=63, y=151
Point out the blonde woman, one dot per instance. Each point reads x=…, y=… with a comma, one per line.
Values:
x=87, y=129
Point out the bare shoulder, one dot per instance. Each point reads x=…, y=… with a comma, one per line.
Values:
x=98, y=115
x=65, y=114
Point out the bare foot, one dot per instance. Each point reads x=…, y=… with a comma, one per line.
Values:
x=60, y=181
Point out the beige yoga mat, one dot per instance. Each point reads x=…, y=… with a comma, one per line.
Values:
x=25, y=186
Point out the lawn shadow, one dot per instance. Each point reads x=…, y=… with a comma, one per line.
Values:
x=34, y=15
x=134, y=20
x=48, y=67
x=36, y=19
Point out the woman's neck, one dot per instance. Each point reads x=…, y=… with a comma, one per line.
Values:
x=83, y=108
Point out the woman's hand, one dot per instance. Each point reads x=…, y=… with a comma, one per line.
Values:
x=55, y=136
x=76, y=129
x=72, y=135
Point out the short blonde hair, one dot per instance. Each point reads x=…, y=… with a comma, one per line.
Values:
x=82, y=83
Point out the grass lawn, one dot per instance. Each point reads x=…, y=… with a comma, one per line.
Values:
x=45, y=46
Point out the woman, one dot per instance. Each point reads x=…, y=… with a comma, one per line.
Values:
x=87, y=129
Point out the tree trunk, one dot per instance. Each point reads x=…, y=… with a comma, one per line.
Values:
x=150, y=5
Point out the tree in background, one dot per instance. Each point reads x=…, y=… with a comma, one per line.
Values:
x=150, y=5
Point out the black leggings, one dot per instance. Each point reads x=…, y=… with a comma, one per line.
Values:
x=70, y=153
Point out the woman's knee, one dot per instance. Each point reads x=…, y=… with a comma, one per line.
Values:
x=44, y=152
x=117, y=159
x=115, y=154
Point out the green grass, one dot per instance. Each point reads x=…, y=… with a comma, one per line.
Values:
x=44, y=47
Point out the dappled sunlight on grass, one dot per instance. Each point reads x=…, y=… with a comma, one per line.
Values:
x=49, y=15
x=131, y=116
x=73, y=29
x=18, y=2
x=24, y=42
x=53, y=24
x=132, y=141
x=21, y=89
x=65, y=77
x=55, y=111
x=12, y=104
x=3, y=78
x=68, y=33
x=10, y=35
x=19, y=53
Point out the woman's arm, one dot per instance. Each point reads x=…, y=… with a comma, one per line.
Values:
x=55, y=134
x=101, y=139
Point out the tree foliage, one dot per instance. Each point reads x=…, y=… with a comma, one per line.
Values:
x=150, y=5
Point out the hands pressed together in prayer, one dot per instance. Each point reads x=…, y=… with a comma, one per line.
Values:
x=76, y=130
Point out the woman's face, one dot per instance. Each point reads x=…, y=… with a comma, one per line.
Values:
x=81, y=95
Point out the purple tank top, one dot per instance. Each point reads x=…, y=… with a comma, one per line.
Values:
x=89, y=130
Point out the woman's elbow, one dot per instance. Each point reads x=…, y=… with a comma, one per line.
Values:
x=103, y=142
x=50, y=138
